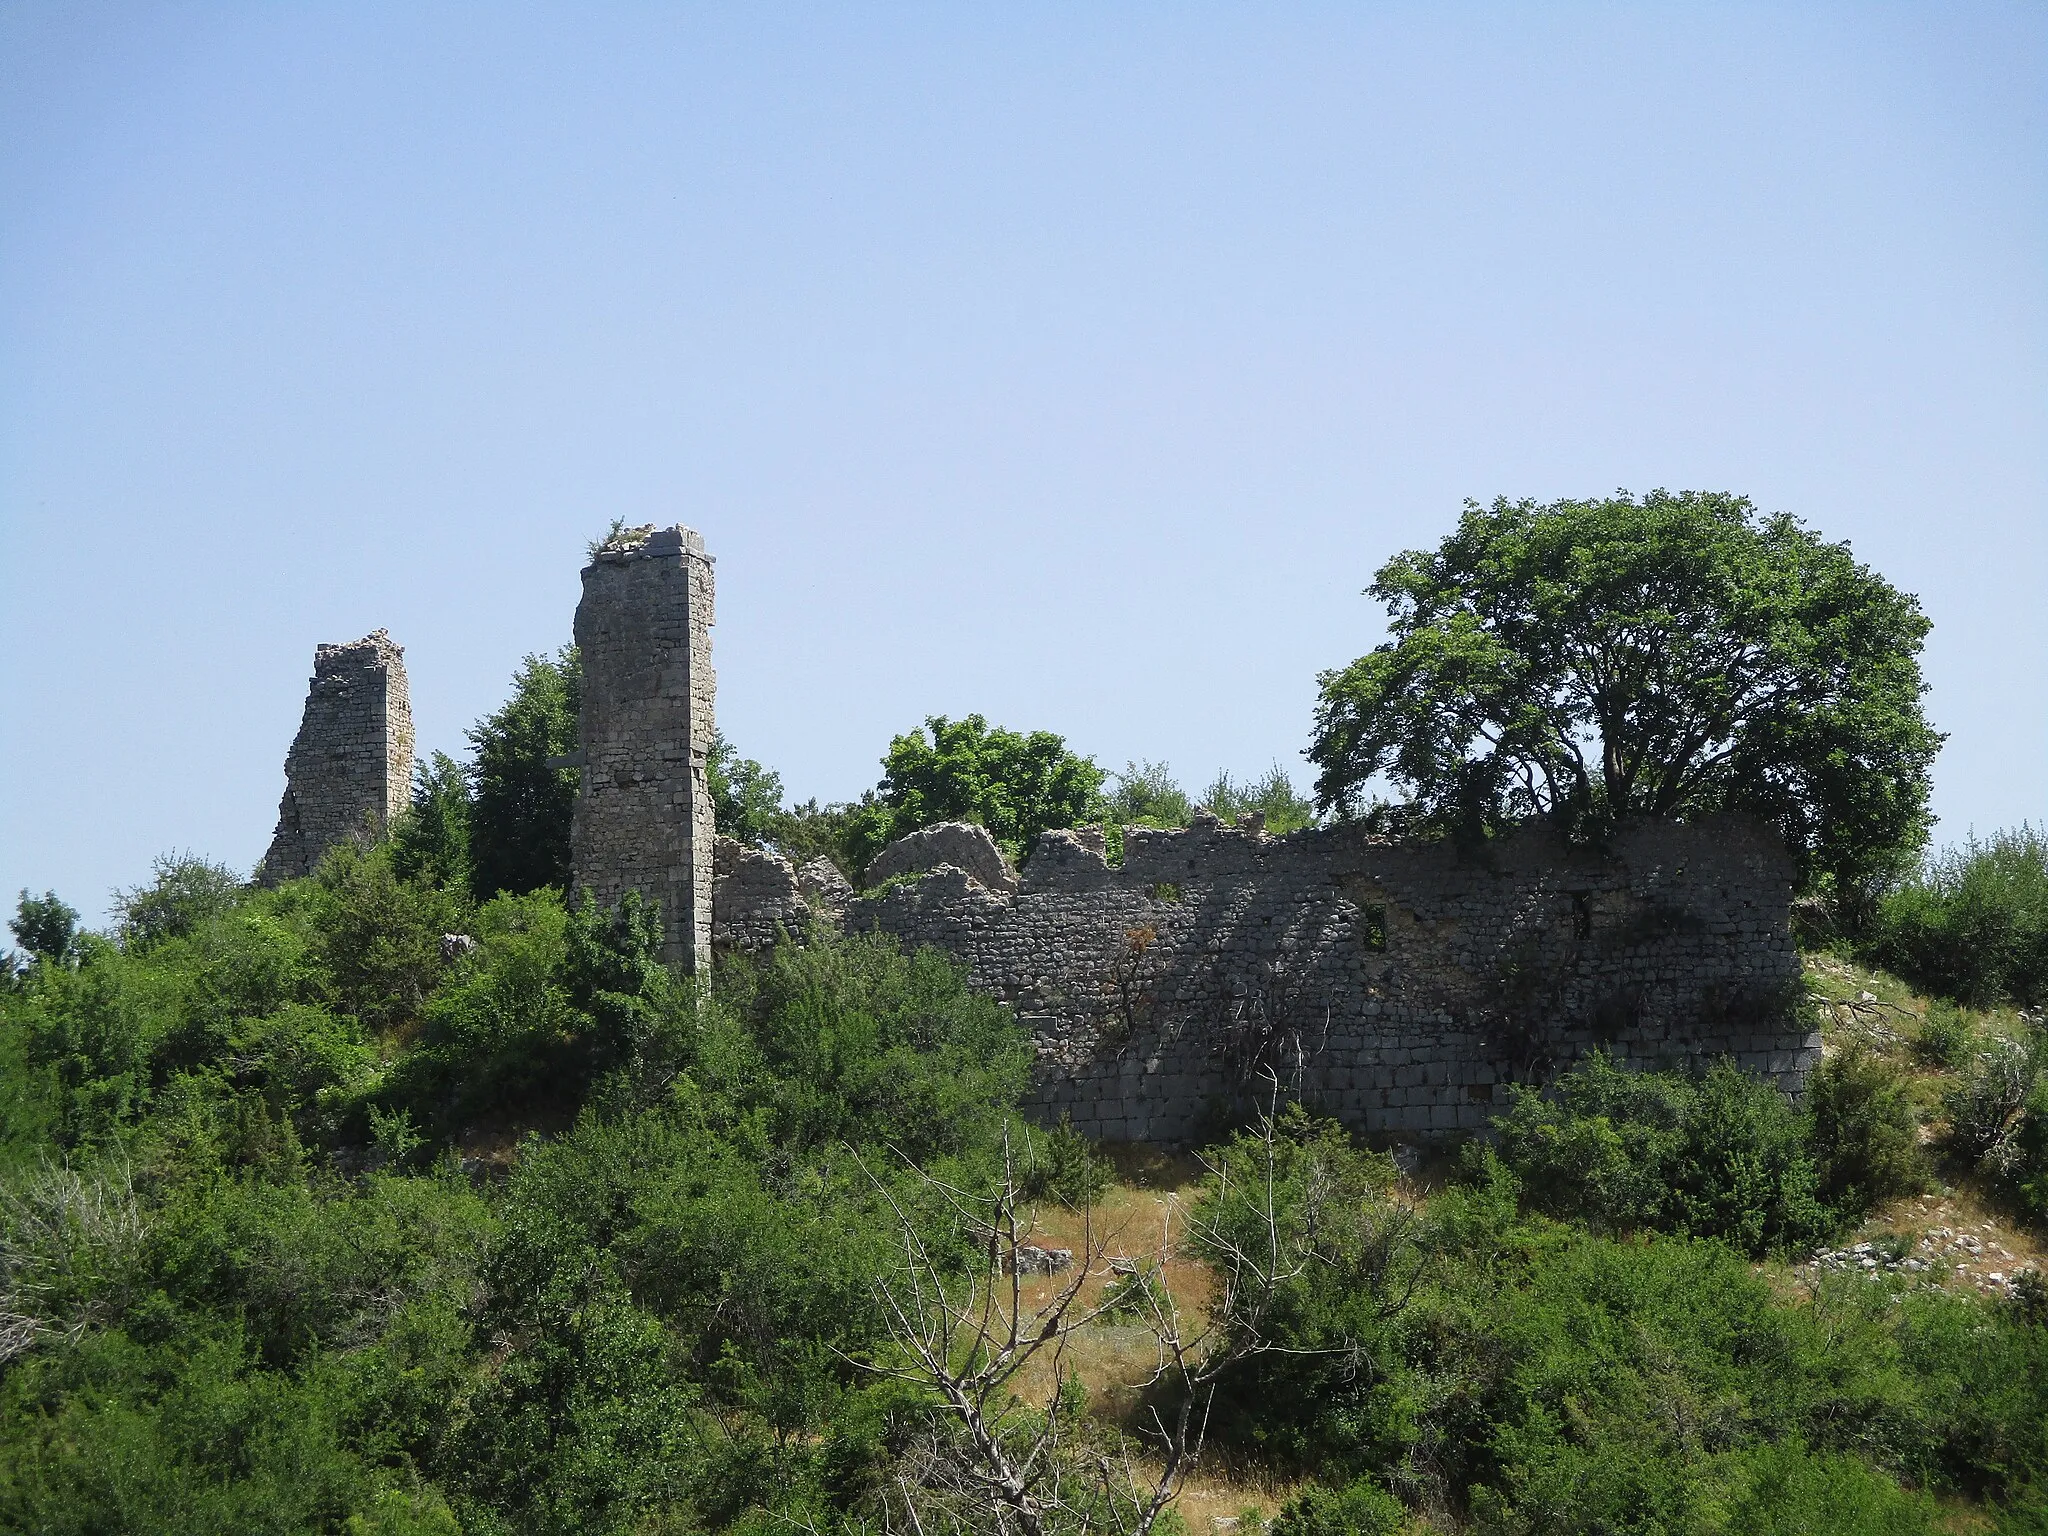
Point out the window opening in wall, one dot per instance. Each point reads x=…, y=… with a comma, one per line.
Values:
x=1582, y=914
x=1372, y=928
x=1165, y=890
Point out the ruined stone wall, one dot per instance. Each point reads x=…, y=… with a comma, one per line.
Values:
x=350, y=767
x=643, y=812
x=757, y=900
x=1397, y=987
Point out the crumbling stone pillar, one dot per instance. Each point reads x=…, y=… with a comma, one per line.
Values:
x=350, y=767
x=643, y=812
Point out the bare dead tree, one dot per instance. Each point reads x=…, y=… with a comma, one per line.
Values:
x=64, y=1238
x=1128, y=985
x=992, y=1462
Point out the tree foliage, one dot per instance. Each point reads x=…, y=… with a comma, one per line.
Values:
x=431, y=840
x=184, y=891
x=1671, y=655
x=1016, y=785
x=746, y=798
x=45, y=926
x=521, y=807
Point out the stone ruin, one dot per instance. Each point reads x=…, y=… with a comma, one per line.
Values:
x=643, y=813
x=1399, y=987
x=350, y=767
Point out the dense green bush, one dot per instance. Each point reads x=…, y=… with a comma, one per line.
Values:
x=1998, y=1114
x=44, y=926
x=1973, y=923
x=1146, y=795
x=430, y=842
x=1540, y=1378
x=1059, y=1164
x=1358, y=1510
x=1864, y=1135
x=184, y=891
x=1721, y=1155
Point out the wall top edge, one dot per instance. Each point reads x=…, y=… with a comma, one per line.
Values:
x=650, y=543
x=375, y=647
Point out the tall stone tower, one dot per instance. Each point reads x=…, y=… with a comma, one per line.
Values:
x=350, y=766
x=643, y=813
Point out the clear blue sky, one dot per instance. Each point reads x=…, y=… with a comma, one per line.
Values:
x=1073, y=365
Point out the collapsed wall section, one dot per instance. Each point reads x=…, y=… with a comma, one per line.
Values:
x=1397, y=987
x=349, y=771
x=643, y=818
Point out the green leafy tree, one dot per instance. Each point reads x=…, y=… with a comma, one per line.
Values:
x=520, y=806
x=1669, y=656
x=431, y=841
x=45, y=926
x=1272, y=795
x=810, y=830
x=1147, y=795
x=746, y=799
x=1014, y=784
x=184, y=892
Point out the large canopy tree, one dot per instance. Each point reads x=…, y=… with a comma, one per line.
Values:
x=1013, y=783
x=1669, y=656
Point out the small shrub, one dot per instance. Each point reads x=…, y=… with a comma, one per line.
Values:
x=1138, y=1297
x=393, y=1140
x=1362, y=1509
x=1986, y=1108
x=1061, y=1165
x=2028, y=1161
x=1945, y=1038
x=1864, y=1136
x=1271, y=795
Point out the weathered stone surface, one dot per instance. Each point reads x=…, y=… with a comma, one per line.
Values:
x=959, y=843
x=350, y=767
x=756, y=898
x=643, y=812
x=824, y=887
x=1032, y=1259
x=1398, y=987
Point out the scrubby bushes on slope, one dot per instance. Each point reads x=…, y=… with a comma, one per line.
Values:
x=1527, y=1375
x=245, y=1285
x=1973, y=924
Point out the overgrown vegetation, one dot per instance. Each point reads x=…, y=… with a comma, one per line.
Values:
x=1972, y=923
x=311, y=1222
x=418, y=1197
